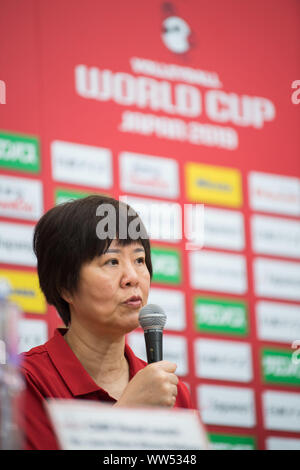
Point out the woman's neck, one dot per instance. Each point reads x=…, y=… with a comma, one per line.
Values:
x=102, y=357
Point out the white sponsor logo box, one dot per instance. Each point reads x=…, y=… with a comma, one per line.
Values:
x=281, y=410
x=226, y=406
x=218, y=272
x=146, y=174
x=277, y=279
x=223, y=229
x=282, y=443
x=174, y=350
x=274, y=193
x=223, y=360
x=21, y=198
x=277, y=321
x=162, y=220
x=31, y=333
x=173, y=303
x=275, y=236
x=81, y=164
x=16, y=244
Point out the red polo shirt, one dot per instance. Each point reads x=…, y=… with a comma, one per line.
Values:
x=53, y=371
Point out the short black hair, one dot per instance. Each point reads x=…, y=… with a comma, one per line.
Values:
x=67, y=236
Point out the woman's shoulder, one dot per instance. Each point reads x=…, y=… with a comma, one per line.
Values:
x=38, y=357
x=34, y=360
x=37, y=362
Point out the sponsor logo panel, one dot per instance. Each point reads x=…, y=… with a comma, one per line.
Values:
x=277, y=279
x=231, y=442
x=223, y=360
x=16, y=244
x=21, y=198
x=274, y=193
x=174, y=350
x=278, y=321
x=281, y=410
x=213, y=185
x=223, y=229
x=282, y=443
x=166, y=265
x=275, y=236
x=173, y=303
x=19, y=152
x=218, y=272
x=162, y=219
x=278, y=367
x=31, y=333
x=221, y=316
x=25, y=290
x=81, y=164
x=65, y=195
x=227, y=406
x=146, y=174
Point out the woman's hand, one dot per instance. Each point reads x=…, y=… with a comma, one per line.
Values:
x=155, y=385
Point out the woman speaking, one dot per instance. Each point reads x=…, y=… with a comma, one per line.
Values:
x=94, y=266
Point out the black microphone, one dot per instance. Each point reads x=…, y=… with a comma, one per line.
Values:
x=152, y=319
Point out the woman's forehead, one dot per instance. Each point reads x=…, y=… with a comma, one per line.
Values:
x=116, y=246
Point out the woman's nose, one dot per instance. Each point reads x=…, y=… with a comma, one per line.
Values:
x=129, y=275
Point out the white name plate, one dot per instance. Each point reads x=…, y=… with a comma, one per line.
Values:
x=96, y=426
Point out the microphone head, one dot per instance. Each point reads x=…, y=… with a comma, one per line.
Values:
x=152, y=317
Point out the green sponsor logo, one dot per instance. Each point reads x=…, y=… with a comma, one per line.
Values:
x=166, y=265
x=65, y=195
x=19, y=152
x=221, y=316
x=278, y=368
x=229, y=442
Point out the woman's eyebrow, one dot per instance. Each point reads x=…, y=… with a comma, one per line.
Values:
x=117, y=250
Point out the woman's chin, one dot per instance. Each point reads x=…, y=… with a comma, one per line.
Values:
x=133, y=323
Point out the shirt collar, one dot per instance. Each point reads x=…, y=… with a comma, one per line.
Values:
x=72, y=371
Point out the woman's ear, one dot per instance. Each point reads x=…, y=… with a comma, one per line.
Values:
x=65, y=294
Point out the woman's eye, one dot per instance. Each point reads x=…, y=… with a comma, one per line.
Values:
x=112, y=261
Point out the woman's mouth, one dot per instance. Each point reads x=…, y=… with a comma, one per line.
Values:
x=134, y=301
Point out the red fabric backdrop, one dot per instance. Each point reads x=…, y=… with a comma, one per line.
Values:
x=246, y=49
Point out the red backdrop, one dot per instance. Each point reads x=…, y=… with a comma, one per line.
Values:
x=227, y=103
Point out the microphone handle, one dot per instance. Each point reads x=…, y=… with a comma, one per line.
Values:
x=153, y=340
